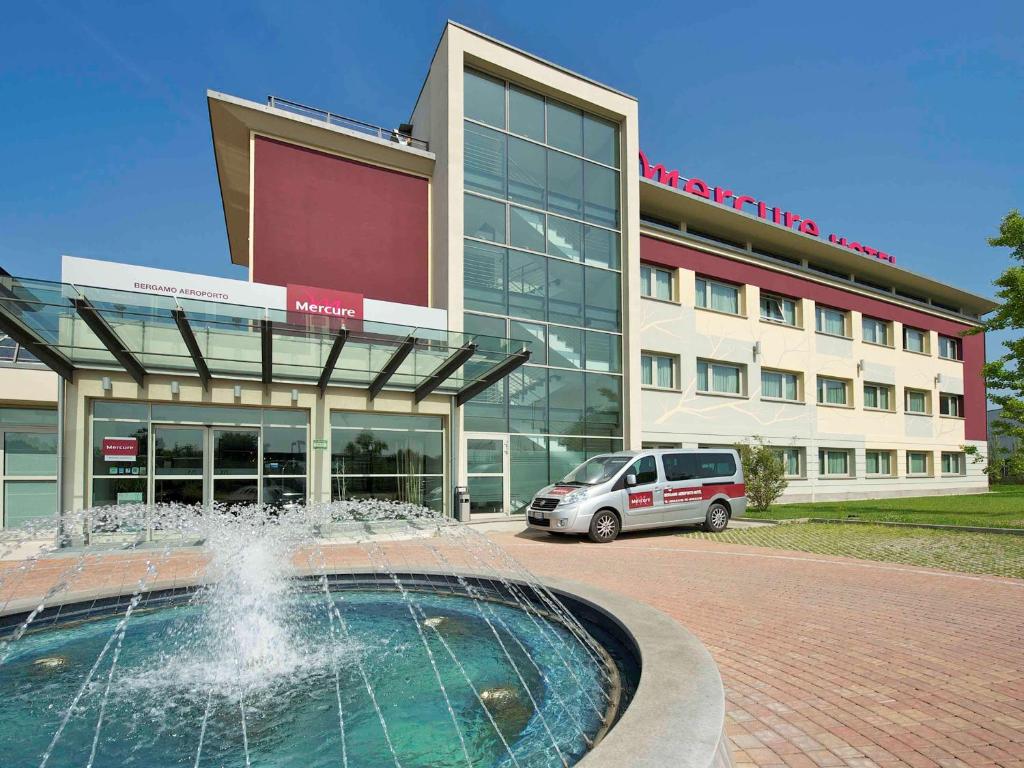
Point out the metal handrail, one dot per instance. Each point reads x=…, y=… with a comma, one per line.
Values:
x=384, y=134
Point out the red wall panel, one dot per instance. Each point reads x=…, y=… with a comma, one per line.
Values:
x=330, y=222
x=659, y=252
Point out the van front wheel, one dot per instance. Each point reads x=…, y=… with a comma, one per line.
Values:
x=717, y=519
x=604, y=527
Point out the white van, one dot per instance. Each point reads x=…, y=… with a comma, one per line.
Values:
x=632, y=490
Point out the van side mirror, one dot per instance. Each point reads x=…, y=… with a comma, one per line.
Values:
x=630, y=480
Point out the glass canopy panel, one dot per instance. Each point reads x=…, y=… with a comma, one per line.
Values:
x=229, y=337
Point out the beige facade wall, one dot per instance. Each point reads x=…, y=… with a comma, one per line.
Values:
x=685, y=417
x=31, y=387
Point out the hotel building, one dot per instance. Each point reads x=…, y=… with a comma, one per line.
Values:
x=483, y=296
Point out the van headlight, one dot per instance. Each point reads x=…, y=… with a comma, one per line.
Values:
x=576, y=496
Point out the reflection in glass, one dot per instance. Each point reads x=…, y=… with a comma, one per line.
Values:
x=30, y=453
x=484, y=219
x=486, y=495
x=28, y=500
x=284, y=491
x=178, y=491
x=485, y=160
x=484, y=98
x=484, y=277
x=525, y=113
x=565, y=127
x=527, y=280
x=284, y=450
x=240, y=491
x=565, y=184
x=527, y=172
x=565, y=292
x=178, y=451
x=235, y=452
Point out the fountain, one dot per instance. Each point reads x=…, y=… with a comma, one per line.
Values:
x=345, y=634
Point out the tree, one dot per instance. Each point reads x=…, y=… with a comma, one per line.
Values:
x=1005, y=376
x=763, y=471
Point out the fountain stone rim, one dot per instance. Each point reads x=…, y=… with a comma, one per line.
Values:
x=676, y=716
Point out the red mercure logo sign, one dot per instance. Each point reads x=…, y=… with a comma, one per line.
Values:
x=774, y=214
x=340, y=305
x=120, y=448
x=641, y=499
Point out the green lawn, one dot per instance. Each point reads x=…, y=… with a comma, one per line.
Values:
x=996, y=554
x=1002, y=508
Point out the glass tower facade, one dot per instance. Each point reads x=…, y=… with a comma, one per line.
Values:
x=542, y=264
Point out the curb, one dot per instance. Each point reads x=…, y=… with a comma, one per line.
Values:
x=893, y=524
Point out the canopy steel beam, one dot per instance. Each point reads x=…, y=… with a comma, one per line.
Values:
x=49, y=357
x=391, y=366
x=181, y=320
x=443, y=371
x=332, y=360
x=267, y=352
x=493, y=376
x=98, y=325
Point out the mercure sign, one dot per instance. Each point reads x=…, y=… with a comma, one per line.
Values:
x=774, y=214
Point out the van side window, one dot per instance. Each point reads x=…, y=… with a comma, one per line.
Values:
x=715, y=465
x=679, y=466
x=645, y=469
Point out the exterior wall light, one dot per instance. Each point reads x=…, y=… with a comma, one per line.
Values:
x=860, y=366
x=105, y=384
x=757, y=350
x=238, y=390
x=175, y=388
x=295, y=395
x=938, y=378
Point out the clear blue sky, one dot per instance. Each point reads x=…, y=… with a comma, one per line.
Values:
x=899, y=124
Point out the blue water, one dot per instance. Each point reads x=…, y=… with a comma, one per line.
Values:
x=167, y=681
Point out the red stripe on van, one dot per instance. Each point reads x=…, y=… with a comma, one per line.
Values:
x=732, y=490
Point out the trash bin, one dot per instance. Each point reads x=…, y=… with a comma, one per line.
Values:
x=462, y=503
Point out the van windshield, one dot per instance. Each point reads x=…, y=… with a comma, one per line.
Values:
x=597, y=470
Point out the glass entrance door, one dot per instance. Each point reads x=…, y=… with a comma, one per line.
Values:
x=487, y=469
x=236, y=470
x=179, y=463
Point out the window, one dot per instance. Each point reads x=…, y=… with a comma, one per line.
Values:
x=915, y=340
x=876, y=331
x=657, y=283
x=916, y=401
x=719, y=378
x=646, y=470
x=698, y=466
x=658, y=371
x=779, y=385
x=392, y=457
x=917, y=463
x=878, y=463
x=792, y=461
x=484, y=99
x=832, y=391
x=834, y=462
x=878, y=397
x=952, y=463
x=831, y=321
x=950, y=348
x=951, y=405
x=720, y=297
x=778, y=309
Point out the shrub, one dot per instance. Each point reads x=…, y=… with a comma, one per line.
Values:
x=764, y=473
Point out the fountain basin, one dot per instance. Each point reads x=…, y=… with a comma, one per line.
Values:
x=667, y=706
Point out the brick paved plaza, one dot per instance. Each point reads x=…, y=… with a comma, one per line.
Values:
x=826, y=661
x=830, y=661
